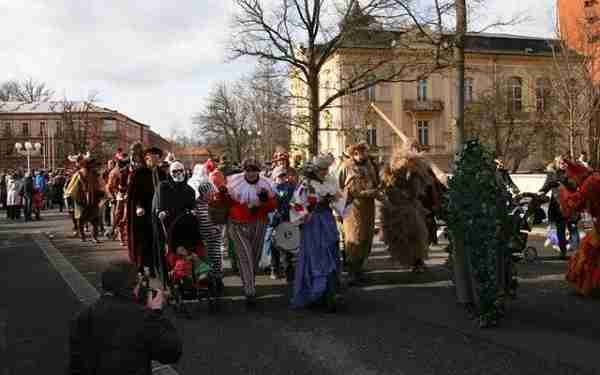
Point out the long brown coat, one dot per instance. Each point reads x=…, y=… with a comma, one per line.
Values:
x=359, y=182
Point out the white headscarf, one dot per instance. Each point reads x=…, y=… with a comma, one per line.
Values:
x=199, y=177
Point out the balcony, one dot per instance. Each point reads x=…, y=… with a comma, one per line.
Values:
x=423, y=105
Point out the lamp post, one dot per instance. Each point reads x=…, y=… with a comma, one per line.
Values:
x=29, y=149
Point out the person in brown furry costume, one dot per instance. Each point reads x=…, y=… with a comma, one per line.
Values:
x=359, y=179
x=407, y=181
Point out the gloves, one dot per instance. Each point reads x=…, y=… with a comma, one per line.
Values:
x=162, y=215
x=140, y=211
x=263, y=196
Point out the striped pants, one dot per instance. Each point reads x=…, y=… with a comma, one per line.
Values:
x=212, y=237
x=248, y=242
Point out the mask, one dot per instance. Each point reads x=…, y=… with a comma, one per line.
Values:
x=179, y=178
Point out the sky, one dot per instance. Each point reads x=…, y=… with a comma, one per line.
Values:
x=153, y=60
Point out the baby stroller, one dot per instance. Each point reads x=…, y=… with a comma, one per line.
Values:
x=526, y=212
x=187, y=266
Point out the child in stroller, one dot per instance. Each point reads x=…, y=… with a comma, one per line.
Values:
x=188, y=266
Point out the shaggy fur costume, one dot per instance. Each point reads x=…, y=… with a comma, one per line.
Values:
x=404, y=226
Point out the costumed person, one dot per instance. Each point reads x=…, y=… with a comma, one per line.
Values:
x=282, y=159
x=404, y=218
x=584, y=265
x=359, y=180
x=284, y=192
x=211, y=233
x=87, y=193
x=252, y=200
x=143, y=182
x=318, y=265
x=13, y=198
x=118, y=179
x=173, y=198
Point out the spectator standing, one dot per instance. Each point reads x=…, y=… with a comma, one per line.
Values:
x=116, y=335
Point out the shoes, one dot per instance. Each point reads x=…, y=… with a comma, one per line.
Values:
x=273, y=275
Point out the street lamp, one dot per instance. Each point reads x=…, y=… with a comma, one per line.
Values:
x=29, y=149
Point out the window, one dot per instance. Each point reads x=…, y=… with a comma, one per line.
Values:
x=25, y=129
x=542, y=91
x=372, y=136
x=42, y=129
x=7, y=131
x=423, y=132
x=469, y=90
x=371, y=94
x=515, y=95
x=422, y=90
x=58, y=131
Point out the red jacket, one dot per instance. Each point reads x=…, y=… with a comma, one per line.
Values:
x=240, y=213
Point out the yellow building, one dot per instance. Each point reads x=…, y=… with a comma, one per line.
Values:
x=425, y=109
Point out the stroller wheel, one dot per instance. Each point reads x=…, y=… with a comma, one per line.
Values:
x=530, y=254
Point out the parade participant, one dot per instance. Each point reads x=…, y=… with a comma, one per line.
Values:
x=584, y=266
x=86, y=192
x=116, y=335
x=211, y=233
x=284, y=192
x=282, y=159
x=3, y=181
x=318, y=264
x=144, y=180
x=118, y=180
x=253, y=199
x=173, y=198
x=404, y=218
x=58, y=185
x=359, y=180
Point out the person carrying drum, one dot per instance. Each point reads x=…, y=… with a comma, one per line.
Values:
x=284, y=192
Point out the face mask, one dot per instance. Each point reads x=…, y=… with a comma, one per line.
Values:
x=179, y=178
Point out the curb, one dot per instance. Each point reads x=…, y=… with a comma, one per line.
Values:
x=83, y=290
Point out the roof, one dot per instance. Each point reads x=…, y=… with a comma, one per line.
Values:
x=58, y=107
x=509, y=44
x=47, y=107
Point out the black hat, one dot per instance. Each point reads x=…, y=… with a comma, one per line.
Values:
x=154, y=151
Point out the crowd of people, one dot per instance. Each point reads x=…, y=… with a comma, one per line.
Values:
x=25, y=194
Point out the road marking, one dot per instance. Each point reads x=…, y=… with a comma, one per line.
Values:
x=85, y=292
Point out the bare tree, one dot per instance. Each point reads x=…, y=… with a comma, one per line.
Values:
x=28, y=91
x=227, y=120
x=268, y=99
x=513, y=134
x=78, y=124
x=305, y=35
x=575, y=95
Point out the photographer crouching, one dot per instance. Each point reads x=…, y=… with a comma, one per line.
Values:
x=117, y=334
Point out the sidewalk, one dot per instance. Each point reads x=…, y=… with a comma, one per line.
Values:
x=35, y=308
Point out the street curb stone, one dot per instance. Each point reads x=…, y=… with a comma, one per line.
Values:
x=82, y=289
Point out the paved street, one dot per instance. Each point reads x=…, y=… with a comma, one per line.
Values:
x=398, y=324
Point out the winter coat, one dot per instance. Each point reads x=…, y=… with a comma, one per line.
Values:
x=13, y=190
x=117, y=336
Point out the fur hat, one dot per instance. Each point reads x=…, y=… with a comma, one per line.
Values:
x=250, y=164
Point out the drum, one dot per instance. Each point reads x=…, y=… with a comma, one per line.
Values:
x=286, y=237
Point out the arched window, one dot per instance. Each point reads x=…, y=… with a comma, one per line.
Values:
x=515, y=94
x=422, y=90
x=542, y=93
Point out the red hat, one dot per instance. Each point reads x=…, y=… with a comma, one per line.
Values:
x=577, y=171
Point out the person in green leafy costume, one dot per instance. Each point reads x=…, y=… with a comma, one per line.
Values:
x=480, y=226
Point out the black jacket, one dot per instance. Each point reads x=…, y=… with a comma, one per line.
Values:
x=116, y=336
x=554, y=178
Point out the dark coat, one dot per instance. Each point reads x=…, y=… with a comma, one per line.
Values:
x=140, y=193
x=554, y=178
x=117, y=336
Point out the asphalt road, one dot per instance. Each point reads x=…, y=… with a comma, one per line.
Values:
x=398, y=324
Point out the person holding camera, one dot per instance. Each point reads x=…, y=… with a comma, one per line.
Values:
x=118, y=334
x=252, y=200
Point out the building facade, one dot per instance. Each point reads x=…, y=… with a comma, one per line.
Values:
x=66, y=128
x=425, y=109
